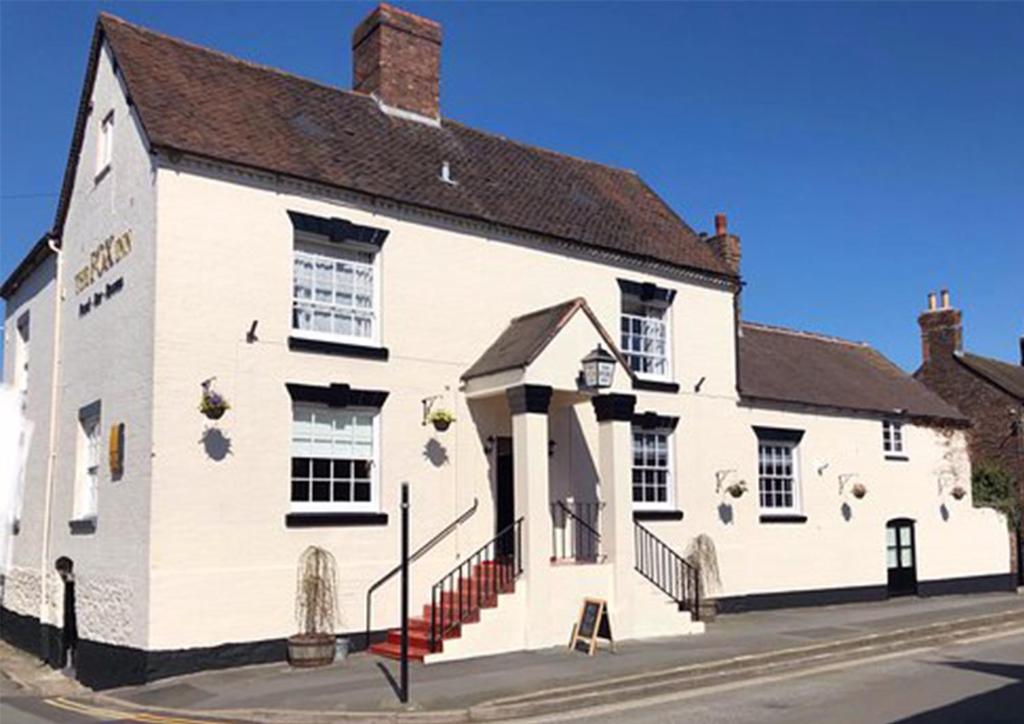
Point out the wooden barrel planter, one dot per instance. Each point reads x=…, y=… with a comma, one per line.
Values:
x=309, y=650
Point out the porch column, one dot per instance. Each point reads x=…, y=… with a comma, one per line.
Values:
x=615, y=452
x=528, y=405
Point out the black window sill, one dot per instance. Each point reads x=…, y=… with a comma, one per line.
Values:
x=323, y=520
x=783, y=518
x=897, y=458
x=655, y=386
x=657, y=515
x=84, y=526
x=341, y=349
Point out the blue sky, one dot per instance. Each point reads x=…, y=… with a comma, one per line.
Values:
x=865, y=153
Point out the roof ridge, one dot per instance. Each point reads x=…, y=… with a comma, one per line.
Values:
x=228, y=57
x=963, y=353
x=804, y=333
x=279, y=71
x=574, y=302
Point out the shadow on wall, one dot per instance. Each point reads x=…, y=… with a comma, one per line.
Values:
x=725, y=513
x=846, y=511
x=216, y=444
x=435, y=453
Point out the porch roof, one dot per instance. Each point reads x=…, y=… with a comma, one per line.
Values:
x=527, y=336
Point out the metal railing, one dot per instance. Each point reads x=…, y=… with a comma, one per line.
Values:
x=667, y=570
x=476, y=582
x=417, y=554
x=576, y=531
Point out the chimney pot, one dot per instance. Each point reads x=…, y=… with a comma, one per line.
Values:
x=931, y=301
x=721, y=225
x=1022, y=350
x=945, y=299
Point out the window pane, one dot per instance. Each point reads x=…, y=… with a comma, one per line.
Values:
x=890, y=557
x=300, y=491
x=321, y=491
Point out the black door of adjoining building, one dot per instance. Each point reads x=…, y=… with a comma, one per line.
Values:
x=505, y=496
x=901, y=557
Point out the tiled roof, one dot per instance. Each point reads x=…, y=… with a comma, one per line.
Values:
x=39, y=251
x=782, y=365
x=526, y=336
x=197, y=101
x=1003, y=374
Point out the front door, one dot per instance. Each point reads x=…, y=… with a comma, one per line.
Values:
x=504, y=496
x=901, y=557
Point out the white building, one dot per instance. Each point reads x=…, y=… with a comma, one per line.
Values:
x=340, y=264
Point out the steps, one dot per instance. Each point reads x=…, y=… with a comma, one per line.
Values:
x=455, y=609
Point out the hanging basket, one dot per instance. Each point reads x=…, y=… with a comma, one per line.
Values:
x=212, y=404
x=441, y=425
x=859, y=490
x=441, y=419
x=959, y=492
x=736, y=490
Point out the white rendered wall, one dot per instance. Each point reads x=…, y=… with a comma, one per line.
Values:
x=107, y=356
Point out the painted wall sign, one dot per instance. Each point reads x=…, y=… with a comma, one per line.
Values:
x=107, y=254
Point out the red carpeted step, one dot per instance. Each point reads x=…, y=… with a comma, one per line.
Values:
x=394, y=651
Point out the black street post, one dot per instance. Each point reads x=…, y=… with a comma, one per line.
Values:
x=403, y=674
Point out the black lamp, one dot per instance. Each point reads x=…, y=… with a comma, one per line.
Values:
x=598, y=368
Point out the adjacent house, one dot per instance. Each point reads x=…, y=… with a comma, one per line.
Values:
x=344, y=266
x=988, y=391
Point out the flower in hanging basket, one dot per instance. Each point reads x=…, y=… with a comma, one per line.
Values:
x=958, y=492
x=737, y=490
x=441, y=419
x=212, y=403
x=859, y=490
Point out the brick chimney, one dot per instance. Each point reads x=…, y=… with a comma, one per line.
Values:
x=726, y=245
x=396, y=56
x=942, y=331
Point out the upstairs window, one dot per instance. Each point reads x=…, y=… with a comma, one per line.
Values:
x=335, y=280
x=88, y=468
x=334, y=294
x=21, y=357
x=105, y=144
x=652, y=468
x=334, y=459
x=892, y=437
x=644, y=329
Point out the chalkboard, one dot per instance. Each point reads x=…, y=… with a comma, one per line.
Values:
x=593, y=623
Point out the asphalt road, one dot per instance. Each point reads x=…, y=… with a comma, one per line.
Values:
x=975, y=683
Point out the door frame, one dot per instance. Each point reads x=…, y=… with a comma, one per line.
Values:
x=904, y=582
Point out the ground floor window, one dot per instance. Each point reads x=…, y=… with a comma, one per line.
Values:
x=334, y=459
x=652, y=468
x=778, y=487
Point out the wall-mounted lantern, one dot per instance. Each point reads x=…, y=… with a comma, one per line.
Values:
x=598, y=368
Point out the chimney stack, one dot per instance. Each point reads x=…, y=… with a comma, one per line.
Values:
x=396, y=57
x=726, y=245
x=941, y=330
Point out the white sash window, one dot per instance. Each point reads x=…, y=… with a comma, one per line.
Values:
x=88, y=469
x=334, y=294
x=644, y=337
x=334, y=459
x=778, y=486
x=652, y=469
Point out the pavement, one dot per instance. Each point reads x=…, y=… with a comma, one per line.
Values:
x=742, y=646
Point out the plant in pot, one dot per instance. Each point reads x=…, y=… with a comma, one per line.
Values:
x=212, y=403
x=959, y=492
x=441, y=419
x=859, y=490
x=316, y=610
x=701, y=554
x=737, y=489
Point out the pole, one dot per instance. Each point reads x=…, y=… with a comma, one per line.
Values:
x=404, y=661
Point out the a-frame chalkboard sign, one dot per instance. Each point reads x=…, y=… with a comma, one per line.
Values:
x=594, y=623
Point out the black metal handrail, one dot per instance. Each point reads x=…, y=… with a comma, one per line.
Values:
x=584, y=541
x=473, y=584
x=416, y=555
x=667, y=570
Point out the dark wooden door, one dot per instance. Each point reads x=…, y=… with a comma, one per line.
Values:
x=901, y=557
x=505, y=496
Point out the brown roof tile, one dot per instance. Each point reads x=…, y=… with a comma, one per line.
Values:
x=788, y=366
x=202, y=102
x=1003, y=374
